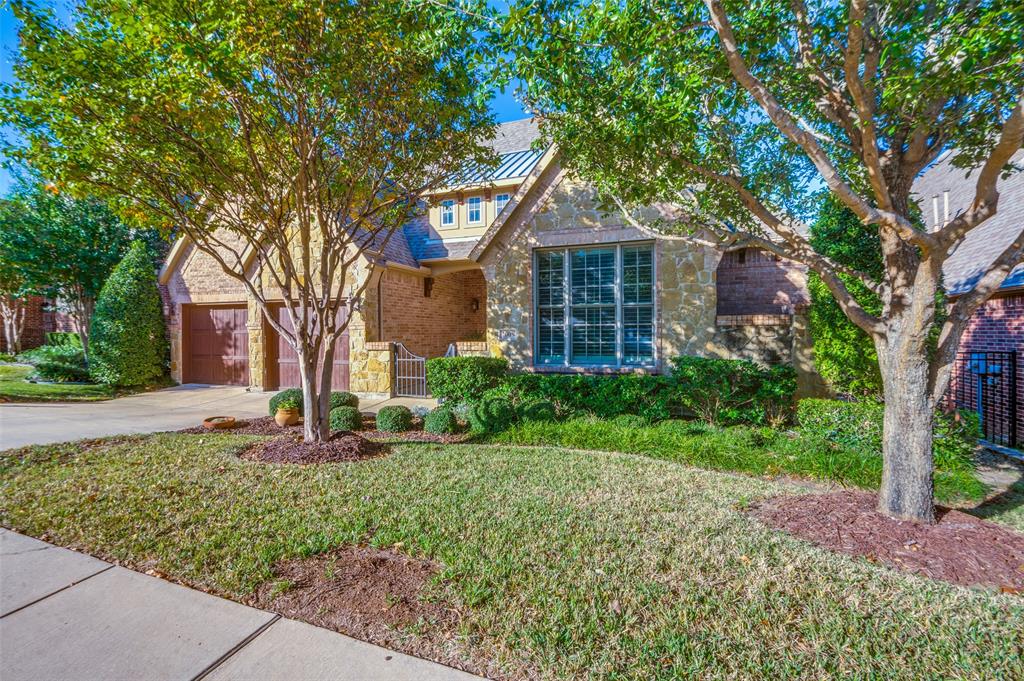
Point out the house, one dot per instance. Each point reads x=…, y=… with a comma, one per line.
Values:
x=988, y=375
x=518, y=262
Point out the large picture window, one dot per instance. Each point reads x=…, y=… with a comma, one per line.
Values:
x=595, y=306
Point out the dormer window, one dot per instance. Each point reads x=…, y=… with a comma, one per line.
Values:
x=474, y=210
x=448, y=213
x=500, y=201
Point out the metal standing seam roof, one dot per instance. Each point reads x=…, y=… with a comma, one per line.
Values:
x=513, y=164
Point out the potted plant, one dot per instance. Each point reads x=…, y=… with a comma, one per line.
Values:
x=287, y=412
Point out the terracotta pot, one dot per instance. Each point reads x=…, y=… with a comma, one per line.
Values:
x=286, y=417
x=219, y=422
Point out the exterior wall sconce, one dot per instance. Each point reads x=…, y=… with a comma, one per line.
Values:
x=474, y=305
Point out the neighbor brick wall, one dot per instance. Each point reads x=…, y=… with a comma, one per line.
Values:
x=426, y=325
x=753, y=282
x=35, y=330
x=998, y=325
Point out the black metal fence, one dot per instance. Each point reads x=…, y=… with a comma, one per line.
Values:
x=987, y=383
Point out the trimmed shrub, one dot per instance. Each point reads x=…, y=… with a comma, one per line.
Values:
x=464, y=378
x=394, y=419
x=63, y=338
x=604, y=396
x=343, y=399
x=346, y=418
x=288, y=394
x=541, y=410
x=491, y=415
x=441, y=421
x=57, y=363
x=128, y=342
x=858, y=425
x=728, y=391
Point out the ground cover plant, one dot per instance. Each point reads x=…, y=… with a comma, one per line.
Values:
x=560, y=564
x=758, y=451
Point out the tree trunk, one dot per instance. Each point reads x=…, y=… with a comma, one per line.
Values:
x=314, y=427
x=13, y=311
x=907, y=489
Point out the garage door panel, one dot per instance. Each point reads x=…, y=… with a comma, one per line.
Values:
x=287, y=361
x=218, y=345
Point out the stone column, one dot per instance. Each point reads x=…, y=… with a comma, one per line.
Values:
x=257, y=347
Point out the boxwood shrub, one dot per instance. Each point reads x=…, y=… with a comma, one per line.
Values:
x=606, y=396
x=491, y=415
x=859, y=425
x=729, y=391
x=338, y=399
x=441, y=421
x=343, y=399
x=394, y=419
x=346, y=418
x=288, y=394
x=464, y=378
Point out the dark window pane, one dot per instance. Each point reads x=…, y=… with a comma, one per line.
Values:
x=551, y=336
x=593, y=335
x=550, y=278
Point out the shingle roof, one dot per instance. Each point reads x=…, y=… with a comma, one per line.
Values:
x=985, y=242
x=515, y=135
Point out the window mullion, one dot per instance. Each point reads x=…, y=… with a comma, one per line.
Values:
x=618, y=305
x=566, y=309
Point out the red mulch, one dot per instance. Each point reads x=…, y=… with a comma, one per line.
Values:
x=366, y=593
x=958, y=548
x=290, y=448
x=264, y=425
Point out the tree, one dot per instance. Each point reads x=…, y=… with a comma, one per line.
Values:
x=286, y=140
x=14, y=289
x=844, y=354
x=62, y=247
x=730, y=113
x=129, y=339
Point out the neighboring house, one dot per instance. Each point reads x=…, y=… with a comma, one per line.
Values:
x=989, y=372
x=516, y=262
x=41, y=317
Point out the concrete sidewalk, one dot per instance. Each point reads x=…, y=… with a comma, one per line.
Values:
x=66, y=616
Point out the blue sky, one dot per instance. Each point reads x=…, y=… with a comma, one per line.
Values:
x=504, y=105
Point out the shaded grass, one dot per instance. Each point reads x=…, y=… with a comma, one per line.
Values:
x=15, y=388
x=758, y=451
x=565, y=564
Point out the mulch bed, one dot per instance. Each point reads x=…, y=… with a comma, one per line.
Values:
x=267, y=426
x=958, y=548
x=367, y=593
x=290, y=448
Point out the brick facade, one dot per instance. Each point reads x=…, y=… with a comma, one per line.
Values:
x=36, y=326
x=754, y=282
x=427, y=324
x=998, y=325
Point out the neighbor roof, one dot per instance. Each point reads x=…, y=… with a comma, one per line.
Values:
x=984, y=243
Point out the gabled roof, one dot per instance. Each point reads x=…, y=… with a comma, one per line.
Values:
x=984, y=243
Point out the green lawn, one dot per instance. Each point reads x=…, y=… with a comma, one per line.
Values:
x=14, y=388
x=758, y=451
x=565, y=564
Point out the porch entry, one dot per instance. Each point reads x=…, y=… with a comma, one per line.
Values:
x=283, y=363
x=987, y=383
x=410, y=373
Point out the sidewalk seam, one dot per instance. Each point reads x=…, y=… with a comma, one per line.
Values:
x=52, y=593
x=235, y=649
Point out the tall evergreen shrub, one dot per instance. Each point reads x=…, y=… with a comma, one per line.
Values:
x=128, y=337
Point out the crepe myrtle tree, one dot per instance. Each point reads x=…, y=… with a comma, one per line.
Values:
x=730, y=114
x=286, y=139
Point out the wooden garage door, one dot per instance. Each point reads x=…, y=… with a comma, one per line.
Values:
x=285, y=363
x=217, y=345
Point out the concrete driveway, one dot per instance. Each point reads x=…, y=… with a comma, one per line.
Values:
x=170, y=409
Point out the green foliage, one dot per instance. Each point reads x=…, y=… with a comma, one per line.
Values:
x=630, y=421
x=394, y=419
x=464, y=378
x=57, y=363
x=289, y=403
x=725, y=391
x=858, y=425
x=606, y=396
x=292, y=396
x=744, y=449
x=491, y=415
x=346, y=418
x=7, y=357
x=541, y=410
x=441, y=421
x=343, y=398
x=843, y=353
x=63, y=338
x=129, y=340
